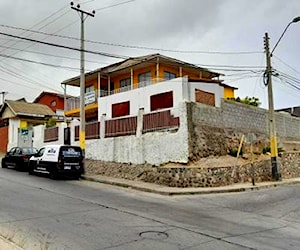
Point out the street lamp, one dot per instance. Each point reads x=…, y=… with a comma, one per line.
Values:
x=295, y=20
x=273, y=140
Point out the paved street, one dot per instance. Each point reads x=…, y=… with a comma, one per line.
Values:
x=39, y=213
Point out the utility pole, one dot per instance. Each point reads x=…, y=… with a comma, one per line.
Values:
x=83, y=16
x=3, y=93
x=273, y=140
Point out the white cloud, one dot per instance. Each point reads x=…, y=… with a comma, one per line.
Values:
x=217, y=25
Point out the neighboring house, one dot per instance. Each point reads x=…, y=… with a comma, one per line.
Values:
x=150, y=82
x=54, y=101
x=17, y=119
x=294, y=111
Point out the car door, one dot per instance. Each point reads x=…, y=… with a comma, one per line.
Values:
x=9, y=158
x=36, y=160
x=17, y=158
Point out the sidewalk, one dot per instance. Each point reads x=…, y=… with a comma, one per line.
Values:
x=163, y=190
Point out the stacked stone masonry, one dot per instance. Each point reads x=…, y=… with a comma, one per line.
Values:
x=197, y=177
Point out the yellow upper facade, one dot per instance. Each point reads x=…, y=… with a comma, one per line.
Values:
x=133, y=73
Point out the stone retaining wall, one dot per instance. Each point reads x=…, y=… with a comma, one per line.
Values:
x=196, y=176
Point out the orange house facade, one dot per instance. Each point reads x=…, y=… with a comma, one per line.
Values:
x=54, y=101
x=139, y=72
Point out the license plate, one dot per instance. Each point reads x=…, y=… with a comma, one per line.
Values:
x=67, y=167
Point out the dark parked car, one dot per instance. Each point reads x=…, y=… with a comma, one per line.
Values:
x=18, y=158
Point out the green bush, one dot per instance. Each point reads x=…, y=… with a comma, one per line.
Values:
x=234, y=151
x=266, y=150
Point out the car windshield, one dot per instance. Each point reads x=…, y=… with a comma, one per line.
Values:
x=29, y=150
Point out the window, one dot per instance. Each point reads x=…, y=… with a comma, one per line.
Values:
x=125, y=82
x=205, y=97
x=41, y=152
x=169, y=75
x=161, y=101
x=53, y=103
x=144, y=78
x=89, y=89
x=120, y=109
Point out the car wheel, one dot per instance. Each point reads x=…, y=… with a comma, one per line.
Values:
x=3, y=164
x=53, y=174
x=77, y=176
x=30, y=168
x=17, y=167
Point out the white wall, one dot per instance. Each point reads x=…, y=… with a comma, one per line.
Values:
x=14, y=124
x=153, y=147
x=208, y=87
x=140, y=97
x=38, y=136
x=38, y=139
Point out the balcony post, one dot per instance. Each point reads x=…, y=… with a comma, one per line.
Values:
x=131, y=77
x=99, y=85
x=157, y=70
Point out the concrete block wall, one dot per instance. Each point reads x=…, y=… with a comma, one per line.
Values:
x=244, y=118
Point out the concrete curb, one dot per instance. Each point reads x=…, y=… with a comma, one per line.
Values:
x=171, y=191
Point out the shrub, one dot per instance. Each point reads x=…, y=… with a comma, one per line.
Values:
x=234, y=151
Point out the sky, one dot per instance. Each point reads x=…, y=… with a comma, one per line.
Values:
x=225, y=36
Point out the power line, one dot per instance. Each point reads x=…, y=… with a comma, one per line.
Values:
x=286, y=64
x=64, y=46
x=24, y=78
x=225, y=67
x=52, y=55
x=37, y=62
x=114, y=5
x=141, y=47
x=43, y=20
x=24, y=85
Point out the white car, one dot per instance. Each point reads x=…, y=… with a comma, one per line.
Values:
x=58, y=160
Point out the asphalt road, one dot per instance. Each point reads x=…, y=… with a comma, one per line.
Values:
x=39, y=213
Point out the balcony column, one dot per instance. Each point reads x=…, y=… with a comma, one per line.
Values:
x=180, y=71
x=108, y=82
x=200, y=75
x=99, y=85
x=157, y=69
x=131, y=77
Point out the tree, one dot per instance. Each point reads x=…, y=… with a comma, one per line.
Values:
x=51, y=123
x=253, y=101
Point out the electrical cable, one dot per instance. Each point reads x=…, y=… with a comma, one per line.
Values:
x=114, y=5
x=40, y=63
x=139, y=47
x=64, y=46
x=51, y=55
x=276, y=57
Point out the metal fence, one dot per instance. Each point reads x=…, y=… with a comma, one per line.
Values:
x=156, y=121
x=92, y=131
x=51, y=134
x=159, y=121
x=121, y=127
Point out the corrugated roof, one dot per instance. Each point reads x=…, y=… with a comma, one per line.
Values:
x=133, y=61
x=29, y=109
